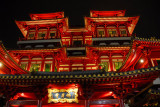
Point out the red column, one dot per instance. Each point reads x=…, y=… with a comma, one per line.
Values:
x=71, y=40
x=27, y=33
x=105, y=29
x=84, y=66
x=110, y=61
x=70, y=66
x=36, y=33
x=47, y=35
x=117, y=27
x=58, y=65
x=83, y=39
x=57, y=36
x=53, y=65
x=95, y=31
x=29, y=64
x=42, y=65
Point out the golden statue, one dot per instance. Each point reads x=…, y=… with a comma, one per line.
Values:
x=57, y=95
x=68, y=95
x=62, y=96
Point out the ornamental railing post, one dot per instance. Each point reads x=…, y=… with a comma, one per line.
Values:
x=39, y=104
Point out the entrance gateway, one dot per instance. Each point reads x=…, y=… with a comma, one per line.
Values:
x=101, y=65
x=62, y=96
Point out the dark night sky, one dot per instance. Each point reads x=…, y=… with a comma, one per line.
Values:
x=76, y=10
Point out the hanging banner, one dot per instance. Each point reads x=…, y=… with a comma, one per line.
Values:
x=63, y=95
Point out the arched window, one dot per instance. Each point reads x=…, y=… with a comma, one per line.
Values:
x=100, y=32
x=123, y=30
x=36, y=64
x=112, y=31
x=31, y=34
x=117, y=61
x=24, y=62
x=42, y=33
x=52, y=33
x=104, y=64
x=48, y=64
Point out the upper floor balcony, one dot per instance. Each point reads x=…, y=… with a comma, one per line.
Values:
x=111, y=41
x=39, y=43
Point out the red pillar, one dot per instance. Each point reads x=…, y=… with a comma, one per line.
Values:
x=70, y=66
x=84, y=66
x=29, y=64
x=110, y=61
x=71, y=39
x=27, y=33
x=96, y=31
x=42, y=65
x=36, y=34
x=117, y=27
x=47, y=35
x=53, y=65
x=57, y=33
x=83, y=39
x=105, y=29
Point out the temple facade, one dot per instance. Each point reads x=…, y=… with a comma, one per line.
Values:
x=100, y=65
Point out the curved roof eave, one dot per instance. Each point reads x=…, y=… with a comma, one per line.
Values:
x=7, y=60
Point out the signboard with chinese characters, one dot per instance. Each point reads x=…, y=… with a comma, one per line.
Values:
x=63, y=95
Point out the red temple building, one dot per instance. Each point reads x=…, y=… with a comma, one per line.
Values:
x=100, y=65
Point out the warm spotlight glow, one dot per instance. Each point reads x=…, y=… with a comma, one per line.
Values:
x=110, y=93
x=0, y=64
x=22, y=94
x=141, y=60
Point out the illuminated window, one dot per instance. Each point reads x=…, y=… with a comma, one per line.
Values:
x=123, y=32
x=24, y=66
x=101, y=33
x=112, y=32
x=41, y=35
x=35, y=67
x=31, y=35
x=52, y=34
x=47, y=67
x=117, y=65
x=104, y=66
